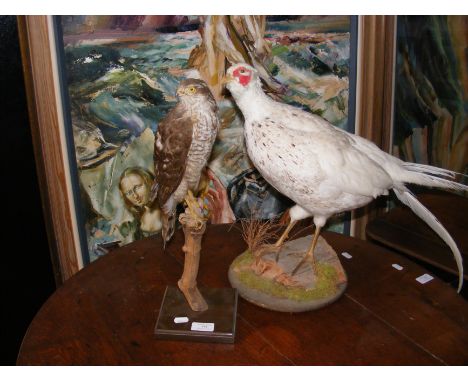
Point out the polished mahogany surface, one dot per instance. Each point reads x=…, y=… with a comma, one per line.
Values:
x=106, y=313
x=401, y=230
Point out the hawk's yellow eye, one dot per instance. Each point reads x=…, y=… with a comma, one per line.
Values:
x=191, y=90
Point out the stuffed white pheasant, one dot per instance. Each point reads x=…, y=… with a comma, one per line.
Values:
x=323, y=169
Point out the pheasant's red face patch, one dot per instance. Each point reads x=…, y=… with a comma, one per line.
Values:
x=244, y=75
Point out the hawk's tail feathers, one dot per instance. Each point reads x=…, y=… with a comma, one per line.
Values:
x=154, y=192
x=407, y=198
x=168, y=226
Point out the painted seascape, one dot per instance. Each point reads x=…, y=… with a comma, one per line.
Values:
x=122, y=73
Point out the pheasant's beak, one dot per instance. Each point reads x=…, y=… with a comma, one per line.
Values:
x=226, y=79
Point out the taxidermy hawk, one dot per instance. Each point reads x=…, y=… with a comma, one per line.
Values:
x=182, y=148
x=323, y=169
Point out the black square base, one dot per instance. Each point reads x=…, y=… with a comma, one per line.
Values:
x=222, y=311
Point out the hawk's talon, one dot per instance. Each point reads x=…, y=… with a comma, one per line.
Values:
x=192, y=205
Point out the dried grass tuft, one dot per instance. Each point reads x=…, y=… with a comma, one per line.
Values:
x=258, y=233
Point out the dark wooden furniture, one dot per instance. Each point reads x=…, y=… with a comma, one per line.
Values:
x=401, y=230
x=106, y=313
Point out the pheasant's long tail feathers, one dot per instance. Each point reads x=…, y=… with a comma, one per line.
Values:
x=430, y=176
x=407, y=198
x=168, y=226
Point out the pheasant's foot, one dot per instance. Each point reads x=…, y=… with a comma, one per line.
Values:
x=193, y=297
x=310, y=253
x=266, y=249
x=307, y=258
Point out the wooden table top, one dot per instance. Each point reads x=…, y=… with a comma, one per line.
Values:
x=106, y=313
x=400, y=229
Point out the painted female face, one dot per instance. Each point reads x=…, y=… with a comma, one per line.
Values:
x=135, y=190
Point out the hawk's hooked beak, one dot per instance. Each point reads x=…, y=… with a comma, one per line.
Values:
x=180, y=92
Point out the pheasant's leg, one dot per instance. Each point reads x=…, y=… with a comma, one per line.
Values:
x=285, y=234
x=310, y=251
x=283, y=237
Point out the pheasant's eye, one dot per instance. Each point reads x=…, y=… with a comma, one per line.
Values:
x=242, y=71
x=191, y=90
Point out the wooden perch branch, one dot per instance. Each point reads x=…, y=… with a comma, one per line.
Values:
x=194, y=228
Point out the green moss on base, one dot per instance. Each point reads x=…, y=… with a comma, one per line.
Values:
x=325, y=286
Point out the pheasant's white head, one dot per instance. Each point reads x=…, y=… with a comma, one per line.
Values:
x=241, y=77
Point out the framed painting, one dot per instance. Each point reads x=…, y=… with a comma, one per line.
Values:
x=99, y=85
x=431, y=93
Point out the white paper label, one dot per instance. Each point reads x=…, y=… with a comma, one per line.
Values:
x=181, y=320
x=203, y=326
x=397, y=266
x=425, y=278
x=347, y=255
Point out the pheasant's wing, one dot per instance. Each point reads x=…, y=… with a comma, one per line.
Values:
x=336, y=161
x=171, y=147
x=352, y=169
